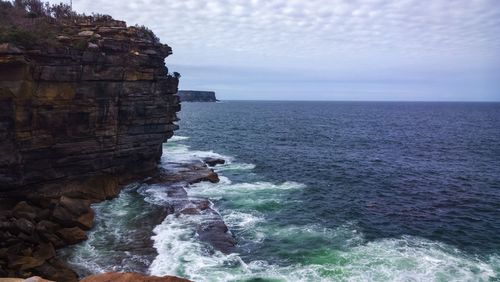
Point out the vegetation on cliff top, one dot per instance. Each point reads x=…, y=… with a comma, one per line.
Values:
x=31, y=23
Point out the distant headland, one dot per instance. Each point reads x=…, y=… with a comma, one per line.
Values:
x=196, y=96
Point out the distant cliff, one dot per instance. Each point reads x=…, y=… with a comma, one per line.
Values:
x=196, y=96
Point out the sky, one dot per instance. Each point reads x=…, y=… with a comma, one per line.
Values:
x=412, y=50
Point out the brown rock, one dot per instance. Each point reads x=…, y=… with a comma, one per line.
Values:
x=32, y=238
x=72, y=235
x=62, y=216
x=53, y=239
x=46, y=226
x=206, y=175
x=212, y=177
x=86, y=221
x=37, y=279
x=24, y=262
x=24, y=225
x=24, y=210
x=55, y=269
x=130, y=277
x=75, y=206
x=44, y=251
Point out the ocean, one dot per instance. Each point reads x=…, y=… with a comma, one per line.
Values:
x=320, y=191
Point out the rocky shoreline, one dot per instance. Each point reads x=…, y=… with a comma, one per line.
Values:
x=34, y=228
x=176, y=180
x=85, y=106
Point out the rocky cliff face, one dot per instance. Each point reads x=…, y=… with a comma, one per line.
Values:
x=197, y=96
x=100, y=102
x=78, y=118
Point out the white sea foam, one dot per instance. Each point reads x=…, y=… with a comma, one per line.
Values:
x=347, y=256
x=230, y=189
x=413, y=259
x=177, y=138
x=180, y=153
x=242, y=220
x=234, y=166
x=155, y=194
x=404, y=259
x=180, y=253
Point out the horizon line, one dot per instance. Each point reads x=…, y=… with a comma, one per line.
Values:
x=410, y=101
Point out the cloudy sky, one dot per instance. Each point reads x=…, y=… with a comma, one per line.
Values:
x=326, y=49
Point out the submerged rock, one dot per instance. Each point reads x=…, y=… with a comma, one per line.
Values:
x=213, y=161
x=193, y=172
x=212, y=228
x=216, y=233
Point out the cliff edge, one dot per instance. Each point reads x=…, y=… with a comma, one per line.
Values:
x=85, y=105
x=98, y=102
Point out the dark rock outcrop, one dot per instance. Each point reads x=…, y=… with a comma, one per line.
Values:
x=179, y=177
x=78, y=119
x=57, y=215
x=197, y=96
x=213, y=161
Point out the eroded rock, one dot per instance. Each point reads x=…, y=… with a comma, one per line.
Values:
x=72, y=235
x=211, y=228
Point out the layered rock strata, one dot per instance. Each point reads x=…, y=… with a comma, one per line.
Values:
x=69, y=110
x=78, y=119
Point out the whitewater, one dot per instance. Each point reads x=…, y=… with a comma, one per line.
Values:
x=343, y=255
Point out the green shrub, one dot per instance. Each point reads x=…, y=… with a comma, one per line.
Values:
x=17, y=36
x=81, y=44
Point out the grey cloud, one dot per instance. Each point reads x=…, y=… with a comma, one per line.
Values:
x=326, y=35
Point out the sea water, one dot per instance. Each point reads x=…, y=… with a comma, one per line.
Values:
x=320, y=191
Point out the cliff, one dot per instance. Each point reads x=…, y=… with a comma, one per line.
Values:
x=84, y=108
x=196, y=96
x=68, y=112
